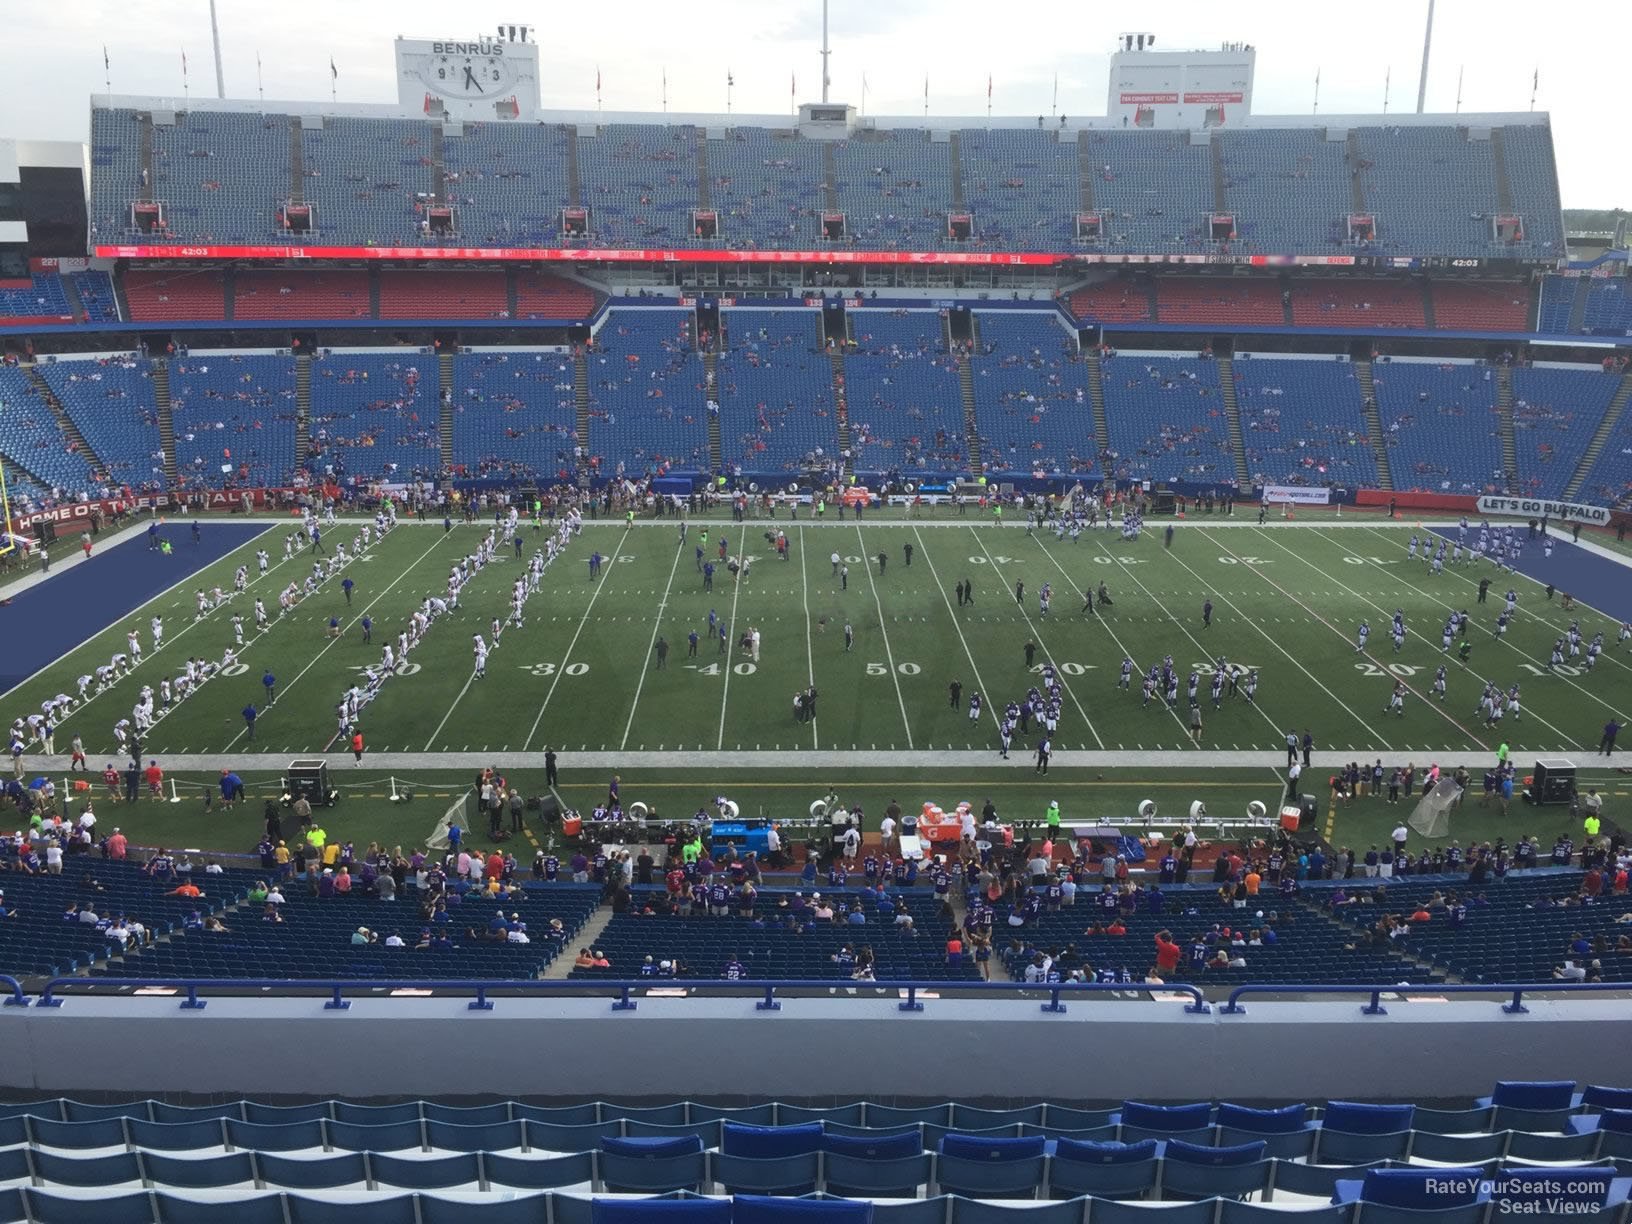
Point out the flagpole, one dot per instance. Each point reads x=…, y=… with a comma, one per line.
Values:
x=730, y=81
x=1388, y=77
x=1535, y=84
x=665, y=95
x=1316, y=109
x=1054, y=106
x=926, y=95
x=107, y=70
x=988, y=99
x=597, y=89
x=334, y=77
x=1460, y=70
x=185, y=92
x=215, y=39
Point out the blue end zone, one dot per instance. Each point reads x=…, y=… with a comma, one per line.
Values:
x=45, y=622
x=1593, y=579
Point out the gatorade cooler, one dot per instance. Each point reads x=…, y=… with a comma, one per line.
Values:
x=1291, y=815
x=571, y=826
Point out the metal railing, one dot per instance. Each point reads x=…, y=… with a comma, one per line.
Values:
x=622, y=990
x=766, y=993
x=1513, y=1007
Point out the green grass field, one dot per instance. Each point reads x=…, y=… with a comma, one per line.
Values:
x=580, y=675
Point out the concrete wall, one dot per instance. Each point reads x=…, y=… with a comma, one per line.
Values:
x=826, y=1048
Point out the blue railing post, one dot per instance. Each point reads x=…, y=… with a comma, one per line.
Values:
x=911, y=1003
x=192, y=1002
x=1375, y=1007
x=768, y=1003
x=1054, y=1004
x=481, y=1002
x=1517, y=1007
x=16, y=998
x=1231, y=1005
x=336, y=1002
x=623, y=1002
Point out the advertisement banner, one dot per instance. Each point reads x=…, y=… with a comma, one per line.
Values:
x=1149, y=99
x=1536, y=507
x=1298, y=495
x=1223, y=98
x=71, y=513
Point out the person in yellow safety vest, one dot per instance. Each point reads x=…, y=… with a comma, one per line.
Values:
x=1053, y=818
x=315, y=837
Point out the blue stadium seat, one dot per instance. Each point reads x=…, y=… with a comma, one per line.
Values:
x=259, y=1209
x=1287, y=1133
x=1451, y=1121
x=545, y=1136
x=747, y=1115
x=433, y=1210
x=1458, y=1149
x=913, y=1211
x=466, y=1115
x=79, y=1111
x=177, y=1136
x=1532, y=1105
x=559, y=1115
x=110, y=1132
x=88, y=1171
x=1354, y=1133
x=14, y=1166
x=1232, y=1211
x=539, y=1173
x=274, y=1136
x=967, y=1116
x=491, y=1137
x=1311, y=1180
x=387, y=1137
x=1523, y=1145
x=45, y=1208
x=708, y=1132
x=844, y=1115
x=1143, y=1213
x=274, y=1115
x=381, y=1210
x=332, y=1172
x=199, y=1173
x=978, y=1211
x=419, y=1173
x=785, y=1175
x=886, y=1177
x=627, y=1174
x=1063, y=1117
x=376, y=1115
x=975, y=1177
x=163, y=1113
x=886, y=1117
x=1103, y=1170
x=1193, y=1171
x=770, y=1142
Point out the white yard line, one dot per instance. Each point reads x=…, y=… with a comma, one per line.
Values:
x=810, y=650
x=731, y=628
x=566, y=658
x=330, y=644
x=646, y=661
x=1037, y=635
x=991, y=705
x=895, y=676
x=470, y=679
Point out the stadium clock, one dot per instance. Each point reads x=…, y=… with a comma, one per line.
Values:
x=466, y=75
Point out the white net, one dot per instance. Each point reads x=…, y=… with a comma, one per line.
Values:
x=461, y=810
x=1432, y=815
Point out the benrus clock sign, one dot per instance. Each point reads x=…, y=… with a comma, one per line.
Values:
x=469, y=77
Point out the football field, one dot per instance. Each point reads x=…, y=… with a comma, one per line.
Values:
x=582, y=674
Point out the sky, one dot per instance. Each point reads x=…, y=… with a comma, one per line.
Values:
x=51, y=63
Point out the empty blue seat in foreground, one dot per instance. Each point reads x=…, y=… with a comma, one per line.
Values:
x=792, y=1174
x=1355, y=1133
x=1195, y=1171
x=1104, y=1170
x=1286, y=1133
